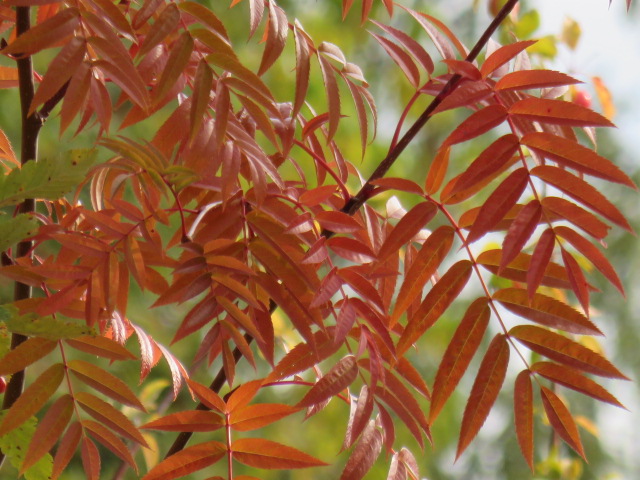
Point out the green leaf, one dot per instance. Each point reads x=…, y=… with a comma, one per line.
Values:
x=49, y=178
x=47, y=327
x=15, y=229
x=15, y=445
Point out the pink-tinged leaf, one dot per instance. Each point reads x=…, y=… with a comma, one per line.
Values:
x=345, y=321
x=187, y=421
x=437, y=170
x=484, y=391
x=360, y=95
x=253, y=417
x=503, y=55
x=477, y=123
x=33, y=398
x=260, y=453
x=571, y=154
x=333, y=95
x=463, y=68
x=335, y=381
x=564, y=350
x=561, y=420
x=528, y=79
x=409, y=225
x=557, y=112
x=591, y=252
x=165, y=24
x=207, y=396
x=540, y=260
x=104, y=382
x=75, y=96
x=467, y=94
x=187, y=461
x=90, y=459
x=109, y=416
x=401, y=58
x=580, y=217
x=359, y=416
x=176, y=63
x=351, y=249
x=146, y=11
x=413, y=46
x=66, y=449
x=338, y=222
x=581, y=191
x=488, y=164
x=397, y=469
x=443, y=293
x=364, y=454
x=575, y=380
x=28, y=352
x=304, y=356
x=127, y=78
x=200, y=98
x=303, y=67
x=579, y=283
x=110, y=441
x=427, y=22
x=100, y=346
x=423, y=267
x=277, y=29
x=499, y=203
x=205, y=16
x=460, y=351
x=523, y=412
x=49, y=430
x=46, y=34
x=545, y=311
x=520, y=231
x=362, y=286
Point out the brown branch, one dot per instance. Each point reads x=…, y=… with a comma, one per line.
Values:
x=31, y=125
x=354, y=204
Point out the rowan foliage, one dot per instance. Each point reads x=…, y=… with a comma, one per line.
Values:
x=244, y=215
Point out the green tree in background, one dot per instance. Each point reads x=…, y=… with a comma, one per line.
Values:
x=248, y=199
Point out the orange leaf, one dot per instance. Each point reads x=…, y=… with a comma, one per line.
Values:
x=478, y=123
x=484, y=391
x=46, y=34
x=252, y=417
x=207, y=396
x=557, y=112
x=528, y=79
x=603, y=93
x=571, y=154
x=575, y=380
x=110, y=441
x=66, y=449
x=242, y=395
x=49, y=430
x=520, y=231
x=187, y=421
x=443, y=293
x=365, y=454
x=546, y=311
x=187, y=461
x=90, y=459
x=424, y=265
x=408, y=226
x=580, y=217
x=437, y=170
x=33, y=398
x=8, y=77
x=28, y=352
x=260, y=453
x=104, y=382
x=303, y=356
x=564, y=350
x=499, y=203
x=540, y=260
x=109, y=416
x=459, y=353
x=561, y=420
x=503, y=55
x=100, y=346
x=341, y=375
x=523, y=412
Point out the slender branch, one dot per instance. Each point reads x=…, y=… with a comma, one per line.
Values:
x=31, y=125
x=354, y=204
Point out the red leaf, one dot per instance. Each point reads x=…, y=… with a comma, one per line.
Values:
x=459, y=353
x=575, y=380
x=364, y=455
x=28, y=352
x=333, y=95
x=557, y=112
x=523, y=411
x=335, y=381
x=257, y=416
x=561, y=420
x=413, y=46
x=478, y=123
x=303, y=67
x=359, y=415
x=189, y=460
x=443, y=293
x=580, y=217
x=164, y=25
x=576, y=277
x=187, y=421
x=564, y=350
x=90, y=459
x=540, y=260
x=338, y=222
x=402, y=59
x=503, y=55
x=484, y=391
x=520, y=231
x=571, y=154
x=260, y=453
x=546, y=311
x=499, y=203
x=395, y=183
x=277, y=29
x=408, y=226
x=528, y=79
